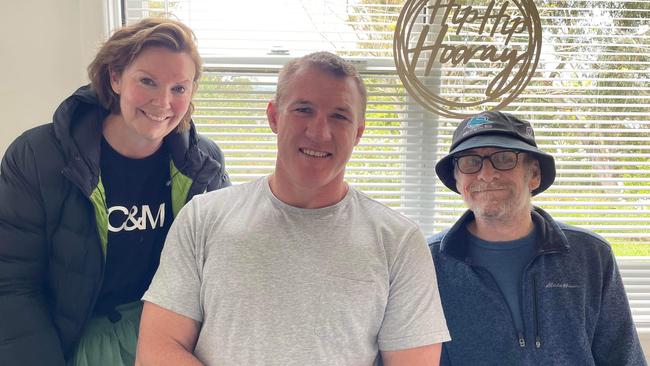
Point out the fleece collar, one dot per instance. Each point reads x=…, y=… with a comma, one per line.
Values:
x=550, y=237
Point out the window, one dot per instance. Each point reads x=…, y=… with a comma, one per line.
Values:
x=589, y=102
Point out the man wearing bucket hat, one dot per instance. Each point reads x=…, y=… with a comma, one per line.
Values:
x=518, y=287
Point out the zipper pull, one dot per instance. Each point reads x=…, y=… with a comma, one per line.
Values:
x=538, y=342
x=522, y=341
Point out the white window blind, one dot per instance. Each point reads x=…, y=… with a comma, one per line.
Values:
x=589, y=102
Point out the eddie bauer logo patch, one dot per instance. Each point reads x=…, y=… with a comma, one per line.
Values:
x=560, y=285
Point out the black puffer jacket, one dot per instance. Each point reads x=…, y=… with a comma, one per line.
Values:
x=53, y=226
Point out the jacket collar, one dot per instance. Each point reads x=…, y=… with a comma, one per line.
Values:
x=189, y=159
x=550, y=238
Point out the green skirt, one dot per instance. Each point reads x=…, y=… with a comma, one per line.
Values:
x=105, y=343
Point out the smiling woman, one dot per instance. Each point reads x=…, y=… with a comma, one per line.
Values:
x=155, y=92
x=88, y=200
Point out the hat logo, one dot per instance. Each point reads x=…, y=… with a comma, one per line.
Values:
x=529, y=131
x=477, y=121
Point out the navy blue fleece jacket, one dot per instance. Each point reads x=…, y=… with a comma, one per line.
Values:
x=574, y=306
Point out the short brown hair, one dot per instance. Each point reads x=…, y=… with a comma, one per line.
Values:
x=117, y=53
x=324, y=61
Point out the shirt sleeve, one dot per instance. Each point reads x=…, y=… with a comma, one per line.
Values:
x=413, y=316
x=176, y=286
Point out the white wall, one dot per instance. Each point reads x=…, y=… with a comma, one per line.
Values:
x=45, y=46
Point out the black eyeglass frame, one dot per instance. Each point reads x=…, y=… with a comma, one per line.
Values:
x=487, y=157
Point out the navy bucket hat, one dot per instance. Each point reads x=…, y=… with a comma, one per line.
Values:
x=495, y=129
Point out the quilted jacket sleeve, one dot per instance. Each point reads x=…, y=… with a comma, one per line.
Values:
x=27, y=334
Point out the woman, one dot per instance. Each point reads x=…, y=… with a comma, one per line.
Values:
x=87, y=200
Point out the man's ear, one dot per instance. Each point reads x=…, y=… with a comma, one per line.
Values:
x=535, y=175
x=360, y=129
x=116, y=81
x=271, y=115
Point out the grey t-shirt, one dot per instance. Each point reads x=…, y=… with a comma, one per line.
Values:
x=274, y=284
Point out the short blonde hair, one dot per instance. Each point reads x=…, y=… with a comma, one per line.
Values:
x=119, y=51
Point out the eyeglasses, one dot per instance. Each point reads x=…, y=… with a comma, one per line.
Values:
x=501, y=160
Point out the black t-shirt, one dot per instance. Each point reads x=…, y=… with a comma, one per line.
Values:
x=138, y=198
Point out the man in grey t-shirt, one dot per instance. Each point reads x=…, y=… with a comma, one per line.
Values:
x=296, y=268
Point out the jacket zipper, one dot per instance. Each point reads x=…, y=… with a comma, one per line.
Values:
x=103, y=271
x=538, y=340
